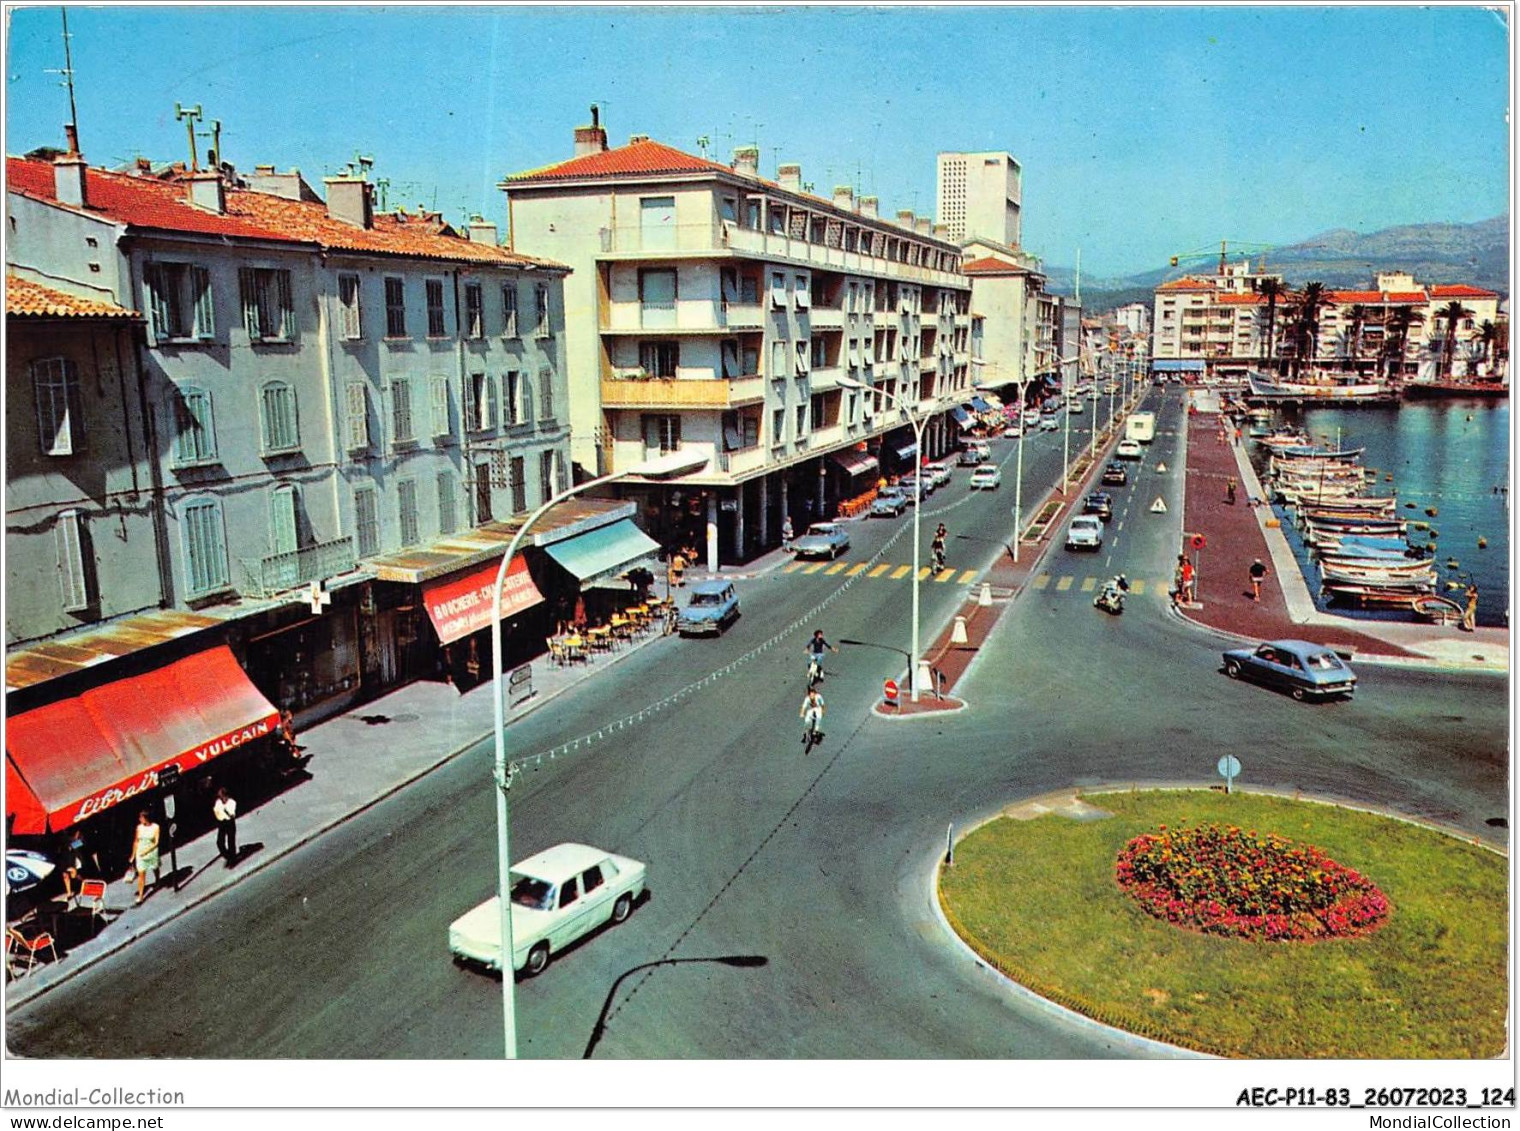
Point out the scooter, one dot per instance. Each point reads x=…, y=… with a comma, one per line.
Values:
x=1111, y=598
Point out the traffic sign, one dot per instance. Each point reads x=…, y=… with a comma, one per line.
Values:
x=1199, y=541
x=889, y=692
x=1229, y=768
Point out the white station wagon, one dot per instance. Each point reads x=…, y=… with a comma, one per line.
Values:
x=558, y=895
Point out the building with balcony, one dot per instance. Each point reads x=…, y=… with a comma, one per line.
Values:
x=980, y=194
x=711, y=308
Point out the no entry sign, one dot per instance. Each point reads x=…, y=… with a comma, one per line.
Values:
x=1199, y=541
x=889, y=692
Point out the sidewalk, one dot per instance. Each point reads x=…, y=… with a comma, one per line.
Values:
x=1237, y=534
x=357, y=759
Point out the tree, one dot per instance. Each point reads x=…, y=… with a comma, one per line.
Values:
x=1452, y=313
x=1310, y=301
x=1488, y=334
x=1397, y=339
x=1358, y=315
x=1271, y=287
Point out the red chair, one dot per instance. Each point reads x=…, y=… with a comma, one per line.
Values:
x=27, y=948
x=93, y=892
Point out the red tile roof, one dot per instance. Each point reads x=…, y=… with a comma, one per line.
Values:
x=1379, y=298
x=1406, y=296
x=160, y=205
x=1187, y=285
x=1460, y=290
x=990, y=266
x=1242, y=300
x=641, y=157
x=26, y=298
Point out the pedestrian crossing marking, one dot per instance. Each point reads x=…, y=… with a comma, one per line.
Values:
x=793, y=568
x=1042, y=581
x=1137, y=586
x=923, y=573
x=1063, y=585
x=835, y=568
x=945, y=576
x=1089, y=584
x=900, y=571
x=968, y=577
x=857, y=569
x=879, y=570
x=815, y=567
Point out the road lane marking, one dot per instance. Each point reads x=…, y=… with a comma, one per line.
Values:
x=815, y=567
x=1121, y=522
x=968, y=577
x=947, y=575
x=899, y=572
x=1138, y=585
x=835, y=568
x=1089, y=584
x=879, y=570
x=793, y=568
x=1064, y=584
x=1042, y=581
x=857, y=569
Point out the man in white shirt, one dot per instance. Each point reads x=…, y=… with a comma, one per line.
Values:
x=224, y=809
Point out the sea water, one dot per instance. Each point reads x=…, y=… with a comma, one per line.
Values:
x=1449, y=454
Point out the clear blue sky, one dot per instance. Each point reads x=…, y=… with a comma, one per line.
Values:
x=1142, y=131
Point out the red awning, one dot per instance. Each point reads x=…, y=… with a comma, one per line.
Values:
x=76, y=758
x=461, y=604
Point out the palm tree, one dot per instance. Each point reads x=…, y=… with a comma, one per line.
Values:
x=1452, y=313
x=1310, y=301
x=1396, y=339
x=1271, y=287
x=1358, y=314
x=1488, y=334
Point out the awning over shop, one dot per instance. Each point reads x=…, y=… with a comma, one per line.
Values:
x=908, y=451
x=993, y=399
x=76, y=758
x=461, y=603
x=960, y=415
x=1178, y=365
x=980, y=405
x=855, y=463
x=603, y=553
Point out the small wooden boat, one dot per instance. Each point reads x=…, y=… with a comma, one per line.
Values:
x=1434, y=607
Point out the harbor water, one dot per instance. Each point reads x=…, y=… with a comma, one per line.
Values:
x=1449, y=455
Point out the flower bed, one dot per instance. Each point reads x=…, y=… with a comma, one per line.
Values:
x=1225, y=881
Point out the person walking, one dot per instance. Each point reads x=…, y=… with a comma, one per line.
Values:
x=1470, y=612
x=1258, y=574
x=224, y=809
x=1189, y=579
x=145, y=851
x=1229, y=492
x=787, y=533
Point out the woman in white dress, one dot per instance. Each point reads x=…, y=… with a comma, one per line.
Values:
x=145, y=851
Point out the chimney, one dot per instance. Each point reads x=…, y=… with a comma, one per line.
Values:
x=349, y=200
x=942, y=231
x=747, y=161
x=481, y=230
x=869, y=206
x=592, y=139
x=844, y=197
x=207, y=191
x=287, y=185
x=923, y=225
x=69, y=173
x=905, y=218
x=637, y=139
x=790, y=177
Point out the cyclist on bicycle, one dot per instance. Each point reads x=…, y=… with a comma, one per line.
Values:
x=815, y=650
x=937, y=548
x=811, y=715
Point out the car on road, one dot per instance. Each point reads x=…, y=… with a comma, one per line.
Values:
x=1074, y=408
x=1114, y=475
x=1100, y=503
x=1031, y=417
x=988, y=476
x=712, y=607
x=822, y=540
x=939, y=472
x=1303, y=670
x=889, y=503
x=975, y=452
x=1049, y=424
x=925, y=486
x=558, y=895
x=1128, y=449
x=1085, y=533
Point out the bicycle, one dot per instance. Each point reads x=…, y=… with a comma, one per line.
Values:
x=815, y=669
x=811, y=735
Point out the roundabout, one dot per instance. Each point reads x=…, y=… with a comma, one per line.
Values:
x=1243, y=925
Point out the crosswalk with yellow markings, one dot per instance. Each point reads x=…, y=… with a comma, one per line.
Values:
x=887, y=571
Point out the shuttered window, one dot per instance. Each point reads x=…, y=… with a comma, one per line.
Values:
x=480, y=404
x=437, y=327
x=545, y=476
x=72, y=583
x=406, y=501
x=268, y=312
x=543, y=328
x=356, y=416
x=55, y=383
x=366, y=522
x=474, y=311
x=282, y=520
x=402, y=429
x=179, y=301
x=509, y=310
x=193, y=429
x=546, y=393
x=517, y=481
x=438, y=407
x=281, y=425
x=351, y=320
x=395, y=308
x=447, y=523
x=205, y=547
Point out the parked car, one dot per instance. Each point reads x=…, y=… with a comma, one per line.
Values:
x=988, y=477
x=558, y=896
x=1031, y=417
x=925, y=485
x=1114, y=475
x=1085, y=533
x=1100, y=503
x=938, y=472
x=1128, y=449
x=822, y=540
x=1049, y=424
x=969, y=457
x=713, y=606
x=1302, y=669
x=1074, y=408
x=889, y=503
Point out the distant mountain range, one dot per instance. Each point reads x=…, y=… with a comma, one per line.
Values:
x=1433, y=253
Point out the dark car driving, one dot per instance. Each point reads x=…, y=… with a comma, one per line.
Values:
x=1302, y=669
x=1100, y=503
x=1114, y=475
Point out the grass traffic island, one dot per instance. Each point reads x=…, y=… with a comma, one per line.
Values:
x=1041, y=901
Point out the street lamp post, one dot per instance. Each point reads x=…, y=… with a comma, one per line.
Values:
x=1018, y=475
x=677, y=463
x=918, y=498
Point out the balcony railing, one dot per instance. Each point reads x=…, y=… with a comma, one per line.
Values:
x=680, y=392
x=826, y=317
x=741, y=460
x=278, y=572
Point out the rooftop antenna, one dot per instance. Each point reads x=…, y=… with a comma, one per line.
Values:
x=702, y=143
x=189, y=115
x=68, y=81
x=382, y=183
x=214, y=151
x=363, y=164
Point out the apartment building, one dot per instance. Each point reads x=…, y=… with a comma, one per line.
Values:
x=1236, y=319
x=267, y=490
x=980, y=194
x=1006, y=294
x=716, y=310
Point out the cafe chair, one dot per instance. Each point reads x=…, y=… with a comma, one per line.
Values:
x=92, y=893
x=21, y=949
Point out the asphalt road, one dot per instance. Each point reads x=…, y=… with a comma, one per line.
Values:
x=820, y=864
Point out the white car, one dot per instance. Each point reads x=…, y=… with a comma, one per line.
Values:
x=558, y=895
x=1031, y=417
x=938, y=472
x=1128, y=449
x=1049, y=424
x=987, y=476
x=1085, y=533
x=1074, y=408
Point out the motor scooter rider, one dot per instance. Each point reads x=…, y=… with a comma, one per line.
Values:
x=1113, y=593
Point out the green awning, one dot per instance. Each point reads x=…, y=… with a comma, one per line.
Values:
x=602, y=553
